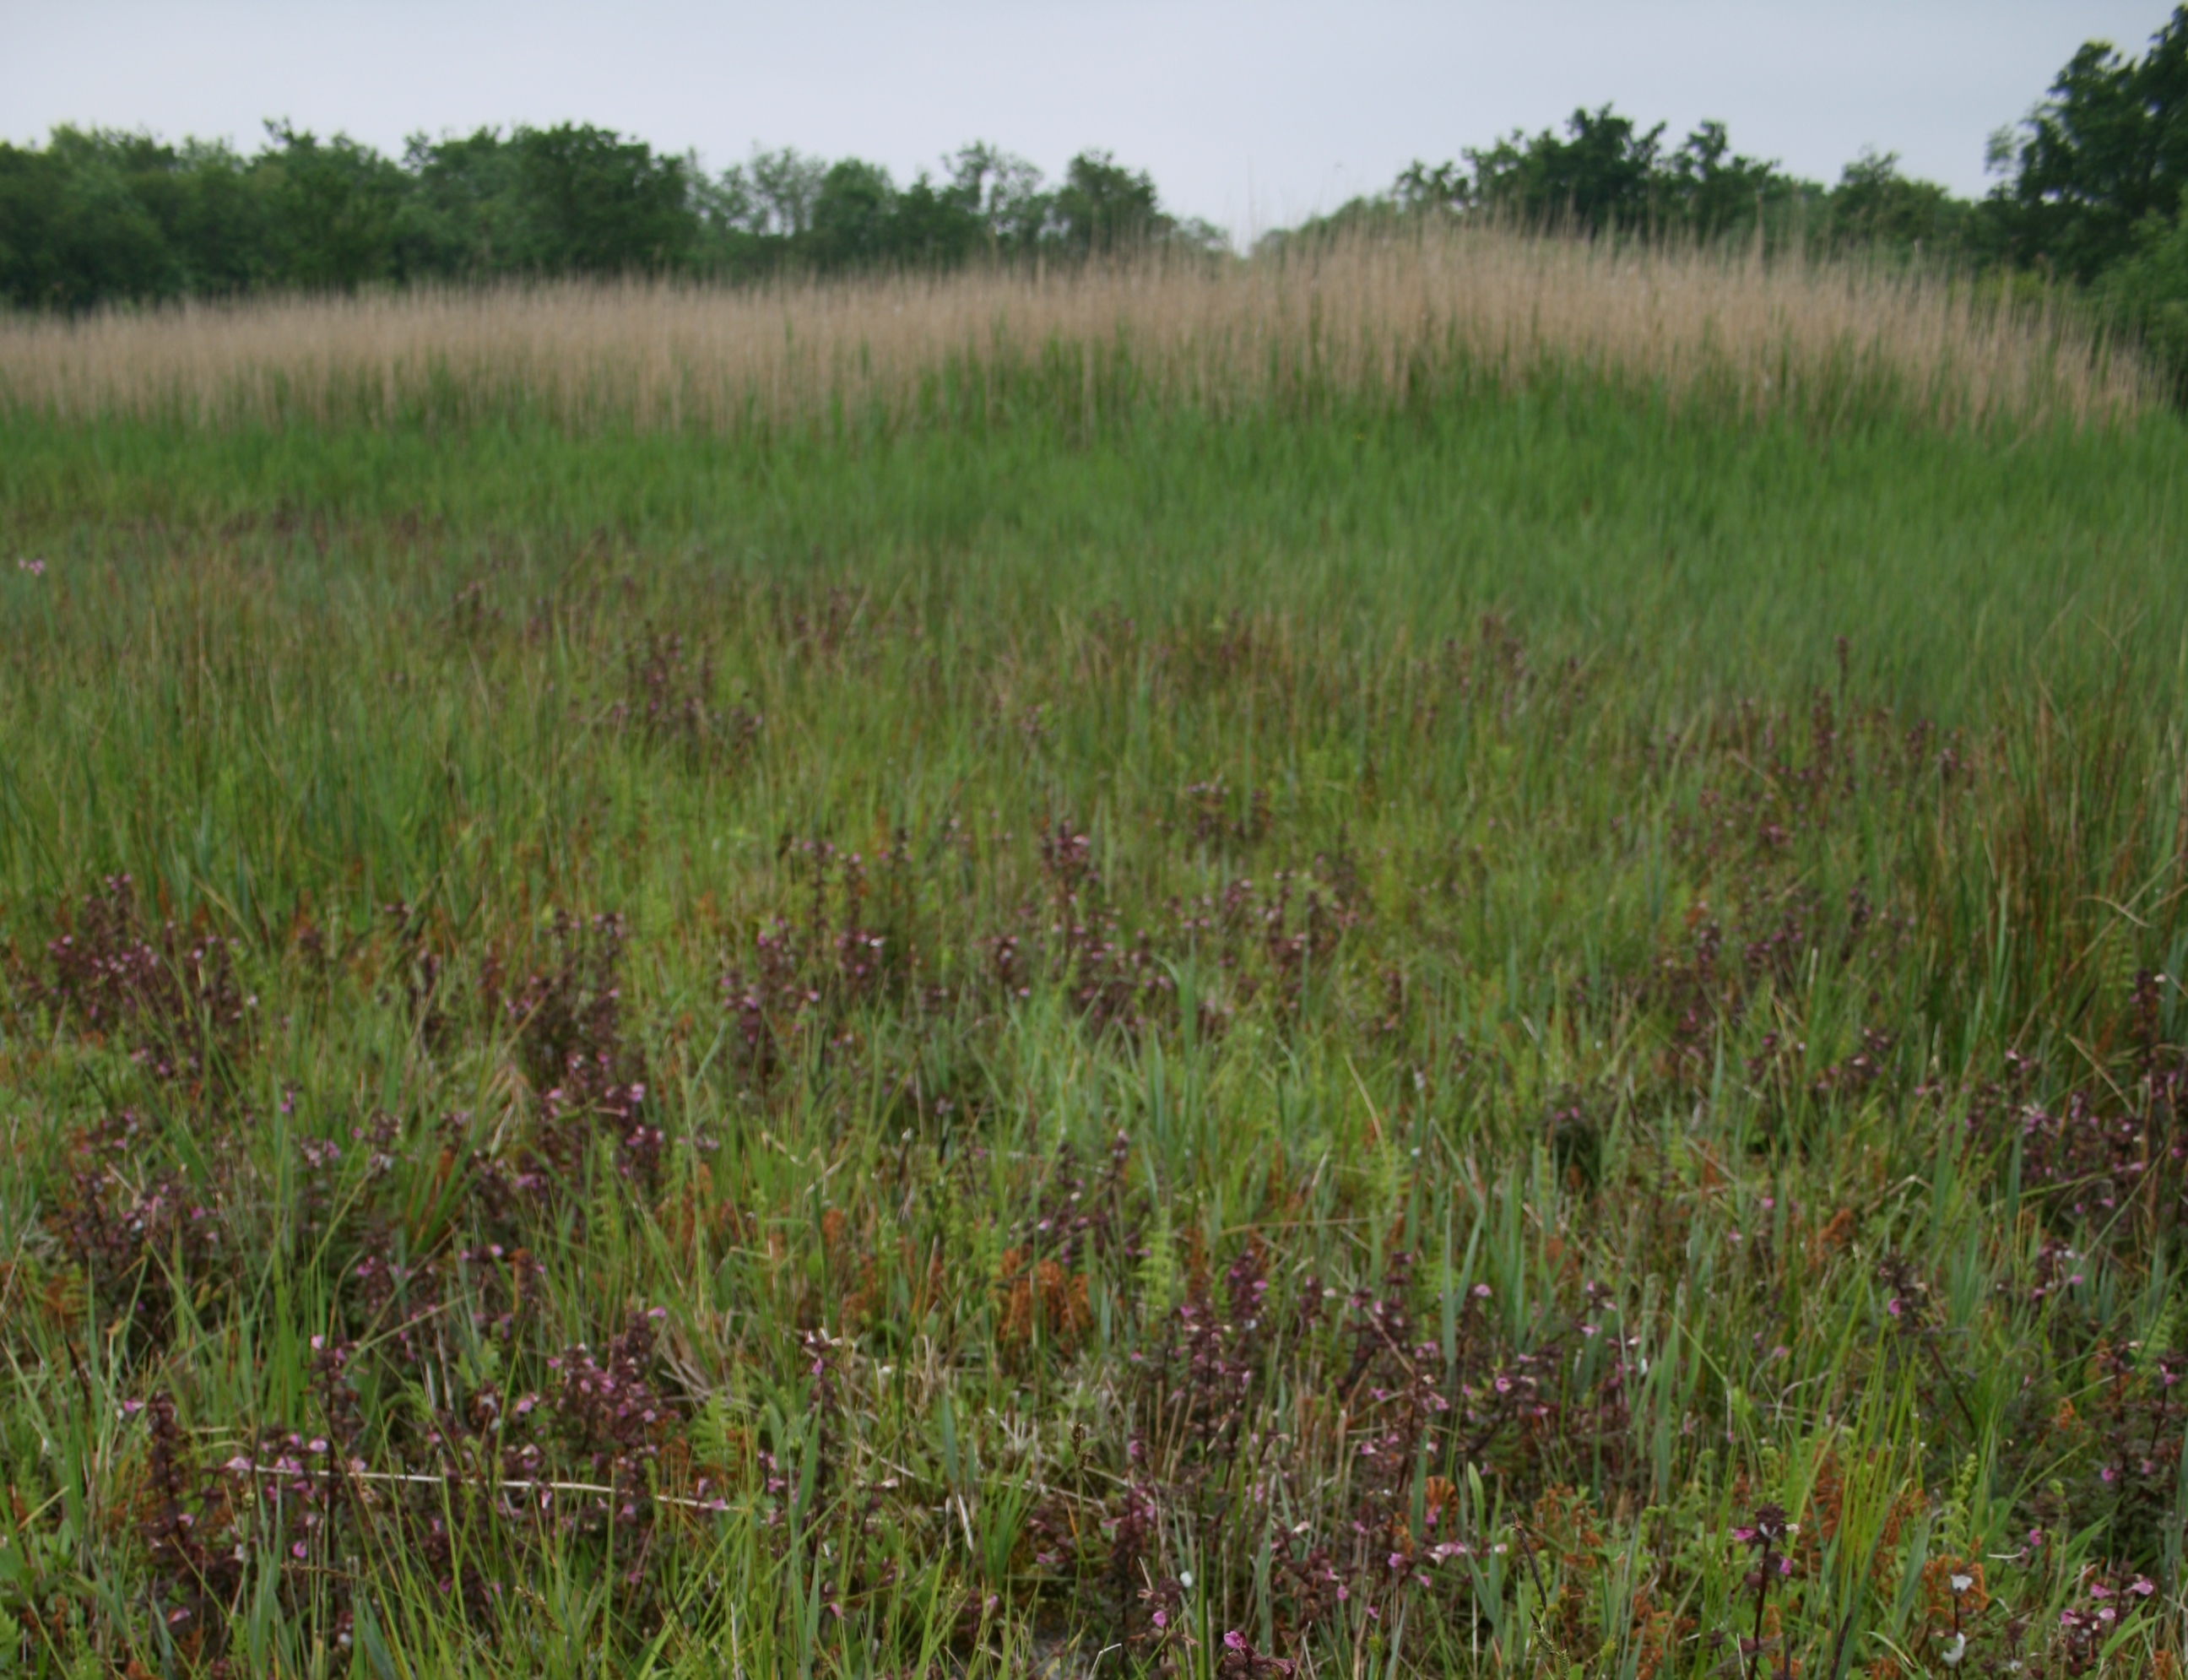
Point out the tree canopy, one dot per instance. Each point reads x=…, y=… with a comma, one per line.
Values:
x=2107, y=151
x=96, y=216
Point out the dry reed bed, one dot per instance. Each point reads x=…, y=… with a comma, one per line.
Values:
x=1389, y=318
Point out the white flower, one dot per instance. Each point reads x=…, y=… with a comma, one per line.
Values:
x=1961, y=1583
x=1185, y=1579
x=1956, y=1647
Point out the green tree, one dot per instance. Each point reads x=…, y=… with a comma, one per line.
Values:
x=71, y=232
x=331, y=210
x=1874, y=205
x=1103, y=206
x=1003, y=194
x=210, y=220
x=90, y=217
x=2145, y=293
x=854, y=215
x=785, y=186
x=934, y=226
x=1606, y=172
x=214, y=217
x=2107, y=149
x=1712, y=190
x=464, y=217
x=595, y=203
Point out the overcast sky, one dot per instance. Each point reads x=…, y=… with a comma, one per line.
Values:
x=1250, y=115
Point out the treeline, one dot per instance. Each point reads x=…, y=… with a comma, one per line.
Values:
x=1606, y=174
x=2090, y=193
x=99, y=217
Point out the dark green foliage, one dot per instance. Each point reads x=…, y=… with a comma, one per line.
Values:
x=853, y=213
x=597, y=204
x=1607, y=175
x=1103, y=205
x=2105, y=152
x=331, y=208
x=461, y=216
x=784, y=188
x=101, y=218
x=2147, y=294
x=1874, y=204
x=2096, y=177
x=1001, y=193
x=1716, y=189
x=70, y=229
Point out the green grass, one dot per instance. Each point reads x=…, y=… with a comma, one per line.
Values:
x=1656, y=943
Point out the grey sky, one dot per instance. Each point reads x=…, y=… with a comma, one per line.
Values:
x=1249, y=115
